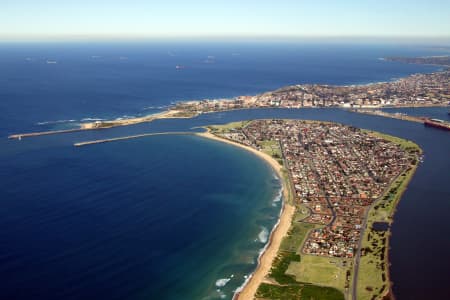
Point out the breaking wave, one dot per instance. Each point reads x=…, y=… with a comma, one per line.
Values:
x=278, y=196
x=223, y=281
x=55, y=122
x=91, y=119
x=263, y=236
x=156, y=107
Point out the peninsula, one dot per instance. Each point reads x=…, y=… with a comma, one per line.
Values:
x=341, y=186
x=441, y=60
x=418, y=90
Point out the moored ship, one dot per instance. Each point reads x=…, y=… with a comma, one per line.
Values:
x=437, y=123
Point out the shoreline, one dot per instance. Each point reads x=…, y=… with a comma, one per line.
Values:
x=98, y=125
x=166, y=114
x=176, y=114
x=390, y=291
x=373, y=213
x=280, y=229
x=372, y=216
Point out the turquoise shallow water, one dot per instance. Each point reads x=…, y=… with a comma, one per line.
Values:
x=173, y=217
x=163, y=217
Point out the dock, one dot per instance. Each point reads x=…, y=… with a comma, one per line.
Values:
x=129, y=137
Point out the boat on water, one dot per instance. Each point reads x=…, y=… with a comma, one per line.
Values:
x=437, y=123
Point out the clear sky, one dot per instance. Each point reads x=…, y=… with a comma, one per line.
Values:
x=37, y=19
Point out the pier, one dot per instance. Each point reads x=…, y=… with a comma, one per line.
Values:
x=398, y=116
x=19, y=136
x=129, y=137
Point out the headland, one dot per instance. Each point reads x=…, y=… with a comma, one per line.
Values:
x=344, y=183
x=418, y=90
x=170, y=114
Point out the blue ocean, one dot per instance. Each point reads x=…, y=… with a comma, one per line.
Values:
x=176, y=216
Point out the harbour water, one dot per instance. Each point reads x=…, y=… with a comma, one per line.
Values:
x=173, y=217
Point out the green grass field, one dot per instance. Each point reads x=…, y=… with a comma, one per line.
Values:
x=405, y=144
x=271, y=148
x=281, y=264
x=296, y=235
x=385, y=207
x=229, y=126
x=320, y=271
x=287, y=284
x=291, y=195
x=301, y=213
x=373, y=280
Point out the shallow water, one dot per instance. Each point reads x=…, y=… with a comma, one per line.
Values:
x=173, y=217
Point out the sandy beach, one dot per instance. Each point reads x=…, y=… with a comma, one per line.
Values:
x=281, y=229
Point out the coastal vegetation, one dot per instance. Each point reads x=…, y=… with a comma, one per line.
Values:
x=228, y=127
x=296, y=274
x=285, y=280
x=290, y=191
x=323, y=271
x=297, y=233
x=373, y=280
x=280, y=266
x=298, y=292
x=273, y=149
x=408, y=145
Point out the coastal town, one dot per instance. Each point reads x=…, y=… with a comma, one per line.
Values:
x=415, y=90
x=224, y=150
x=336, y=174
x=343, y=182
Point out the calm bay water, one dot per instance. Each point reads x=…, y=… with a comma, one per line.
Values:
x=173, y=217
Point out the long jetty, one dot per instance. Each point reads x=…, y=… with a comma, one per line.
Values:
x=129, y=137
x=398, y=116
x=31, y=134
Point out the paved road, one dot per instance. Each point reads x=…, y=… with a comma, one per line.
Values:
x=363, y=229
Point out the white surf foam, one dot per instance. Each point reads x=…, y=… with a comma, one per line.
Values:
x=263, y=236
x=278, y=196
x=156, y=107
x=261, y=252
x=92, y=119
x=55, y=122
x=240, y=288
x=221, y=294
x=222, y=282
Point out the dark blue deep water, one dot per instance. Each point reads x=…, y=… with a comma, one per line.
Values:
x=179, y=217
x=117, y=80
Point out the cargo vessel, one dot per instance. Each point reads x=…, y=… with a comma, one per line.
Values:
x=437, y=123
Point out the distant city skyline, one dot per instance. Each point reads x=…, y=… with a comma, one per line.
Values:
x=82, y=19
